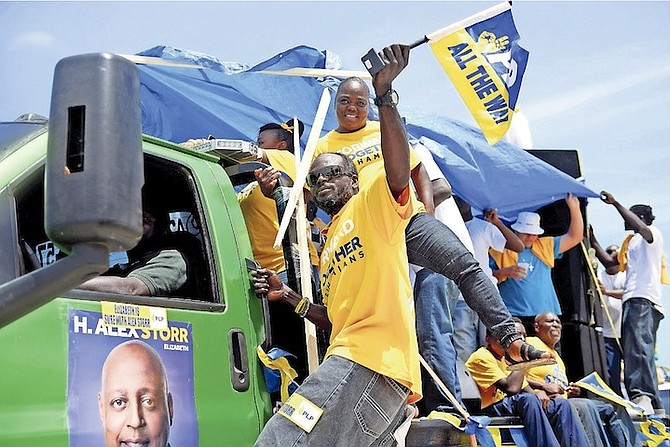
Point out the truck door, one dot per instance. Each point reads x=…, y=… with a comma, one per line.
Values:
x=203, y=332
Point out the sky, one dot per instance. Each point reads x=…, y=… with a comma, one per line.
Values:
x=598, y=76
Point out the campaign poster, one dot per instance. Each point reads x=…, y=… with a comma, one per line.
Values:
x=92, y=336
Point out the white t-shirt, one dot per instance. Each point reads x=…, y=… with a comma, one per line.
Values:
x=643, y=275
x=612, y=282
x=447, y=211
x=485, y=235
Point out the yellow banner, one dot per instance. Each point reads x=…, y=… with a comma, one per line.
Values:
x=484, y=93
x=133, y=316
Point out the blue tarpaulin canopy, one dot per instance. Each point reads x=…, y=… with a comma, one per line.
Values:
x=232, y=100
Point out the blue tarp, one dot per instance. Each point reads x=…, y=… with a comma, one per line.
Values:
x=232, y=100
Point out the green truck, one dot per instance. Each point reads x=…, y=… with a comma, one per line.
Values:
x=71, y=195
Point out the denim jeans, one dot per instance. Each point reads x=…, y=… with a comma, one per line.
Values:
x=613, y=353
x=602, y=421
x=639, y=325
x=433, y=245
x=469, y=332
x=557, y=426
x=434, y=297
x=590, y=419
x=360, y=408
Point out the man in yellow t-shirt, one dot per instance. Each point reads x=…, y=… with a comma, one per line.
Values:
x=504, y=393
x=430, y=243
x=260, y=212
x=262, y=221
x=602, y=424
x=371, y=369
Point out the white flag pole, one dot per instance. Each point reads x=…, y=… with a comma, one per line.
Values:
x=305, y=264
x=303, y=169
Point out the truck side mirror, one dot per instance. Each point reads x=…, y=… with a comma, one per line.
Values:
x=94, y=170
x=93, y=181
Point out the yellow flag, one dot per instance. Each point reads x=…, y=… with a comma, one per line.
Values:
x=482, y=58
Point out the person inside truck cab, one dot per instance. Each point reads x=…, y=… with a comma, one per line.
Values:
x=151, y=270
x=134, y=402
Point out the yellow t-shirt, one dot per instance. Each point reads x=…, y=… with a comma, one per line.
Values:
x=363, y=147
x=260, y=214
x=365, y=285
x=548, y=373
x=486, y=370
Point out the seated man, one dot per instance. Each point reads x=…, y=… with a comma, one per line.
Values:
x=552, y=379
x=150, y=270
x=504, y=393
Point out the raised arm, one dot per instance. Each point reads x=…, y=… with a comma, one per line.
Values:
x=575, y=232
x=512, y=241
x=632, y=221
x=395, y=147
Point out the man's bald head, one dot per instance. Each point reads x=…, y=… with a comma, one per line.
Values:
x=548, y=328
x=134, y=402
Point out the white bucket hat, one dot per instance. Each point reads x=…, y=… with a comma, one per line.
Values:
x=528, y=223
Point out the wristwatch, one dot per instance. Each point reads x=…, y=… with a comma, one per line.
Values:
x=390, y=98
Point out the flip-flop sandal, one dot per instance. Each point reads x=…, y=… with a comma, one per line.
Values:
x=531, y=358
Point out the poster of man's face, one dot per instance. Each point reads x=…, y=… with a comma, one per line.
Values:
x=134, y=402
x=129, y=387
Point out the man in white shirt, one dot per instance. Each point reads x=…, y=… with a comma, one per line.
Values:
x=469, y=332
x=642, y=308
x=612, y=287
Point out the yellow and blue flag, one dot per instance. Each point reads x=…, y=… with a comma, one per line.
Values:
x=595, y=384
x=483, y=59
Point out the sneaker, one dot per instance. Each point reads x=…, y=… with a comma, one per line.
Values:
x=644, y=402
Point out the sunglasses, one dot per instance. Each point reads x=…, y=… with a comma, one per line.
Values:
x=329, y=172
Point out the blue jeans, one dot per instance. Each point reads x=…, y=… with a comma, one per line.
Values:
x=557, y=426
x=360, y=408
x=469, y=332
x=590, y=419
x=602, y=421
x=434, y=301
x=613, y=353
x=639, y=325
x=433, y=245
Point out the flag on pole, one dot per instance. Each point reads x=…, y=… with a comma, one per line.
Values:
x=483, y=59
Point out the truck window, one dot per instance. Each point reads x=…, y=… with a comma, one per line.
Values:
x=170, y=193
